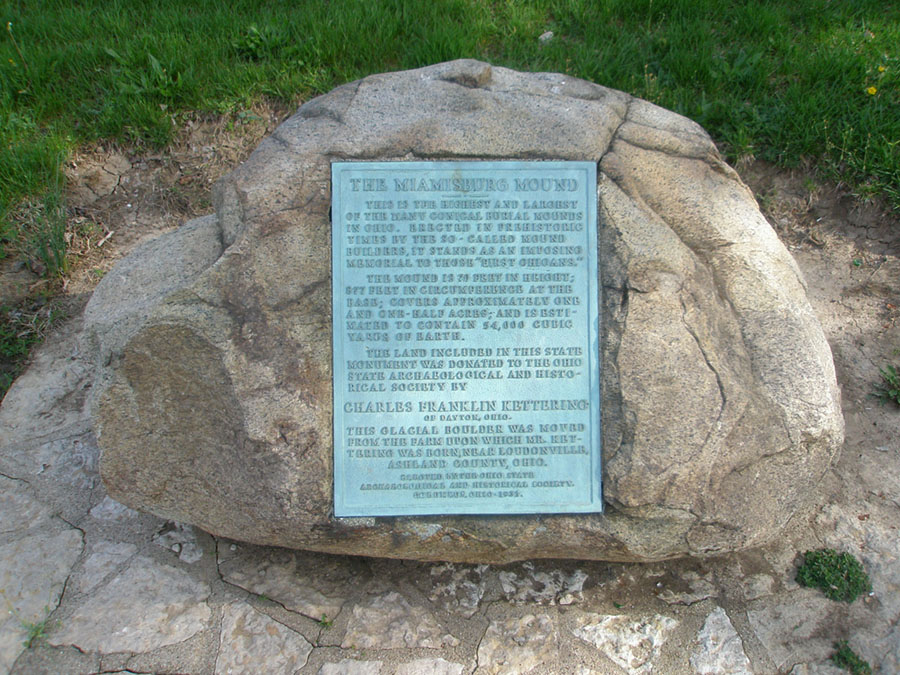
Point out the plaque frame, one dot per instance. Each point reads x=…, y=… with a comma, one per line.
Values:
x=383, y=412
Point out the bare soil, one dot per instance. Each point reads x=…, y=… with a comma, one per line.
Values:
x=118, y=196
x=137, y=196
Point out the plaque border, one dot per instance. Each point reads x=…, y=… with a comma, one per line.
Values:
x=596, y=504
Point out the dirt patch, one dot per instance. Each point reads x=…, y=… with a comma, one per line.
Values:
x=118, y=196
x=126, y=196
x=804, y=210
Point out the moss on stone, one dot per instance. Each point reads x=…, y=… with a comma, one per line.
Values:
x=846, y=658
x=839, y=575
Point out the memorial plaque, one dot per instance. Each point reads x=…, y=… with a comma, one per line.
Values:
x=466, y=338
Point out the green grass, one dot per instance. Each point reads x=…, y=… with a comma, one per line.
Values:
x=889, y=389
x=785, y=81
x=20, y=329
x=36, y=630
x=839, y=575
x=846, y=658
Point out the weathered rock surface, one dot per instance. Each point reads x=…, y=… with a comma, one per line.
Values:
x=458, y=589
x=351, y=667
x=699, y=588
x=250, y=639
x=519, y=645
x=790, y=629
x=542, y=588
x=719, y=648
x=430, y=667
x=104, y=559
x=36, y=557
x=390, y=622
x=631, y=644
x=721, y=412
x=314, y=591
x=145, y=607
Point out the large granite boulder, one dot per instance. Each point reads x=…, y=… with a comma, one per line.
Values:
x=720, y=407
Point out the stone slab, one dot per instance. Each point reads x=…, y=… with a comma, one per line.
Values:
x=302, y=582
x=33, y=573
x=518, y=645
x=145, y=607
x=719, y=648
x=250, y=639
x=389, y=621
x=633, y=645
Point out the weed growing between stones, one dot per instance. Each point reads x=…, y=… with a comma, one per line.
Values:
x=890, y=389
x=846, y=658
x=325, y=622
x=21, y=328
x=839, y=575
x=34, y=630
x=47, y=238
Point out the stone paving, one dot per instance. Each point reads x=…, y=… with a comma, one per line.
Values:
x=102, y=588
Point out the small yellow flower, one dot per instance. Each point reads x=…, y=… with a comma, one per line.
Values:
x=871, y=91
x=11, y=62
x=880, y=69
